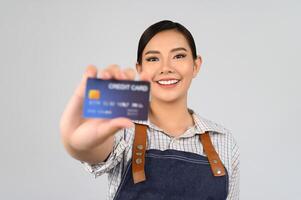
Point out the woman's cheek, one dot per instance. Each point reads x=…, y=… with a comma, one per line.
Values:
x=150, y=74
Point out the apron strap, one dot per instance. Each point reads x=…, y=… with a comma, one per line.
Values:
x=138, y=153
x=139, y=147
x=216, y=164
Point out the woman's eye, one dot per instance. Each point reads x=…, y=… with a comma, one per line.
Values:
x=180, y=56
x=151, y=59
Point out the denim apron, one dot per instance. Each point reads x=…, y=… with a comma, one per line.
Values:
x=172, y=174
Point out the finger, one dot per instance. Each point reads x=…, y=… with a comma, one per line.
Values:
x=130, y=73
x=143, y=76
x=104, y=74
x=91, y=72
x=114, y=71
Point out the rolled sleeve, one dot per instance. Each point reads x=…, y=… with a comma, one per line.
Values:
x=115, y=157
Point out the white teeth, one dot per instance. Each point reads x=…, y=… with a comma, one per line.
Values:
x=169, y=82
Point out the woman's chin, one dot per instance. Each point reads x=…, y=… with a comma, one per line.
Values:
x=166, y=98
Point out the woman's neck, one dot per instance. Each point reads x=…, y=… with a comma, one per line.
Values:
x=173, y=117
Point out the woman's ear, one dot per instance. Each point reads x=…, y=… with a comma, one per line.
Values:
x=197, y=65
x=138, y=67
x=142, y=74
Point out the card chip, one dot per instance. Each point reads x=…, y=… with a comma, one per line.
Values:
x=94, y=94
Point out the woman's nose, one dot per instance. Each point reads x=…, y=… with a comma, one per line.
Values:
x=166, y=71
x=166, y=67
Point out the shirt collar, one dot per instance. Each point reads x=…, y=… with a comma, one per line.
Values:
x=201, y=124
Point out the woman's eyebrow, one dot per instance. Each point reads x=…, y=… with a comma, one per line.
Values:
x=158, y=52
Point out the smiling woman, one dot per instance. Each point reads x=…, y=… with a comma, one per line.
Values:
x=175, y=154
x=167, y=54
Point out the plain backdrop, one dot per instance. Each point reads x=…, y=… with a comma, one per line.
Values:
x=249, y=83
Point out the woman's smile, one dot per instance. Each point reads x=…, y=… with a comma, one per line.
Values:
x=168, y=83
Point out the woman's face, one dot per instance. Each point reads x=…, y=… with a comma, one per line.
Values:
x=168, y=63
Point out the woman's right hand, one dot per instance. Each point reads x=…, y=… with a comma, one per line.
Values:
x=84, y=134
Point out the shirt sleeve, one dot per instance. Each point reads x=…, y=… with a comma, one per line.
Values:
x=115, y=157
x=233, y=193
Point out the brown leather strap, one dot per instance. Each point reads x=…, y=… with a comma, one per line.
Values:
x=216, y=164
x=139, y=148
x=138, y=156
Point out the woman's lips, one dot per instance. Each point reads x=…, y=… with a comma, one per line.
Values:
x=168, y=83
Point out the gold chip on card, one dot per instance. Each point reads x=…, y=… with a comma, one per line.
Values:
x=94, y=94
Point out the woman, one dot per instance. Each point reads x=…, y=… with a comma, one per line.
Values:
x=175, y=154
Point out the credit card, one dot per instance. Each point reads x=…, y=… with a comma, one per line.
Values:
x=116, y=98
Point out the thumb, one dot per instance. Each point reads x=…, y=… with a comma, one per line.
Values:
x=91, y=72
x=111, y=126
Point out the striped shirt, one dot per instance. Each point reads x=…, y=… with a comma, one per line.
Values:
x=222, y=140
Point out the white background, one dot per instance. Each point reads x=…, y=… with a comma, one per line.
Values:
x=248, y=83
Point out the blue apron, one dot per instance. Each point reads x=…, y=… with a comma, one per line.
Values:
x=172, y=174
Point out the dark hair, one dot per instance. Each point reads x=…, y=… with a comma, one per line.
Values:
x=161, y=26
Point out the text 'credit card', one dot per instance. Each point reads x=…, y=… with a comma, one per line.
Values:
x=116, y=98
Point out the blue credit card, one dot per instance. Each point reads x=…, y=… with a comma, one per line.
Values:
x=116, y=98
